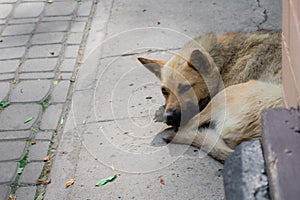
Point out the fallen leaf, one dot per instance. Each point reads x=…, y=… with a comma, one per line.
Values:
x=107, y=180
x=49, y=1
x=62, y=119
x=60, y=77
x=80, y=62
x=44, y=182
x=28, y=120
x=161, y=181
x=11, y=197
x=33, y=142
x=40, y=197
x=112, y=167
x=4, y=104
x=47, y=158
x=70, y=182
x=55, y=82
x=20, y=170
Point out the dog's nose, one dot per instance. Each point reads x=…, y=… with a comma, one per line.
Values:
x=169, y=115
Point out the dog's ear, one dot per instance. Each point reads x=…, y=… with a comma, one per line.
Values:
x=199, y=62
x=153, y=65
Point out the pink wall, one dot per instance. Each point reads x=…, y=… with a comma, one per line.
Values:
x=291, y=52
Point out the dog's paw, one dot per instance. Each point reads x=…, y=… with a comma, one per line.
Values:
x=168, y=138
x=159, y=114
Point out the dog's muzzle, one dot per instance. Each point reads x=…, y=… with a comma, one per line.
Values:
x=172, y=117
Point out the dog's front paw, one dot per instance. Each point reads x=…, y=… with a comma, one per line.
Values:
x=159, y=114
x=169, y=138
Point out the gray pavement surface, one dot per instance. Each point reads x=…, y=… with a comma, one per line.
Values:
x=71, y=66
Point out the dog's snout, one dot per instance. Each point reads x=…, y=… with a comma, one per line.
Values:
x=172, y=117
x=168, y=115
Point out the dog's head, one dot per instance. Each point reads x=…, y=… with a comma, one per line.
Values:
x=187, y=83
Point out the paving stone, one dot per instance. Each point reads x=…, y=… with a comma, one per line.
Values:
x=31, y=173
x=4, y=89
x=39, y=151
x=26, y=193
x=39, y=65
x=29, y=10
x=30, y=91
x=13, y=117
x=9, y=66
x=6, y=77
x=23, y=21
x=245, y=173
x=9, y=53
x=46, y=27
x=55, y=18
x=67, y=65
x=34, y=76
x=2, y=21
x=15, y=135
x=60, y=8
x=60, y=92
x=72, y=51
x=4, y=192
x=13, y=41
x=12, y=150
x=48, y=38
x=77, y=26
x=5, y=10
x=51, y=117
x=8, y=171
x=44, y=135
x=19, y=29
x=74, y=38
x=84, y=8
x=44, y=51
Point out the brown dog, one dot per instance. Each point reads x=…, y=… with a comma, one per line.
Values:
x=208, y=64
x=234, y=115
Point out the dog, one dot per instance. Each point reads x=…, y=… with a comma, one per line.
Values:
x=205, y=66
x=234, y=116
x=208, y=64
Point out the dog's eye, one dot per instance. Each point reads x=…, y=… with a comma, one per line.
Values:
x=164, y=92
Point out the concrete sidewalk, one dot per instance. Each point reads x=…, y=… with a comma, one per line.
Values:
x=97, y=121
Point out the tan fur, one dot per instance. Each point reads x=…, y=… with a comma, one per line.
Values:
x=211, y=63
x=236, y=113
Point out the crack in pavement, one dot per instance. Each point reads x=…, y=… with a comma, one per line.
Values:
x=265, y=14
x=139, y=53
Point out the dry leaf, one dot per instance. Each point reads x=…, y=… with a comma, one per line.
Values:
x=33, y=142
x=46, y=182
x=80, y=62
x=60, y=77
x=11, y=197
x=161, y=181
x=47, y=158
x=70, y=182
